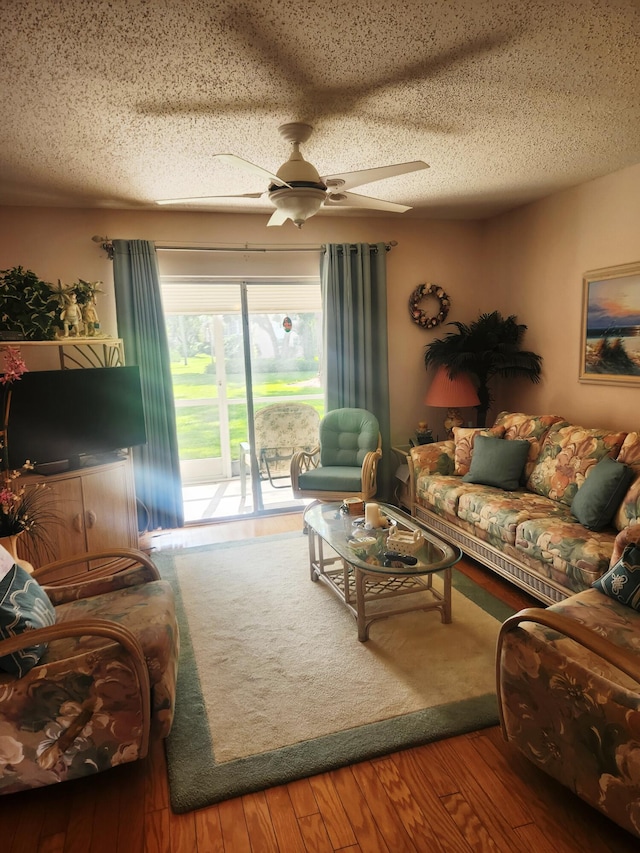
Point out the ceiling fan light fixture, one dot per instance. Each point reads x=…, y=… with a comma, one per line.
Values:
x=299, y=203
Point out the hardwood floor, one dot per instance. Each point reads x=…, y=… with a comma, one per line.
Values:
x=469, y=793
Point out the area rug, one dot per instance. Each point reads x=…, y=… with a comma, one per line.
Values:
x=274, y=686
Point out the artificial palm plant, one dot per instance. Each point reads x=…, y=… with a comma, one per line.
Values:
x=487, y=347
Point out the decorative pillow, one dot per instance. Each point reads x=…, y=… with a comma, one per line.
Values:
x=568, y=452
x=24, y=606
x=630, y=450
x=629, y=510
x=436, y=458
x=598, y=498
x=464, y=440
x=629, y=536
x=622, y=581
x=497, y=462
x=533, y=428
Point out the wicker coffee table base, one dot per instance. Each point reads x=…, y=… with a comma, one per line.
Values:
x=359, y=589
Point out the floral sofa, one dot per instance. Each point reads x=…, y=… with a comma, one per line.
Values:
x=528, y=532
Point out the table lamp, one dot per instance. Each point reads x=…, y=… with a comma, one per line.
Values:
x=451, y=393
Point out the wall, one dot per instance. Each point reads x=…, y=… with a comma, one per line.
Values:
x=529, y=262
x=56, y=244
x=536, y=257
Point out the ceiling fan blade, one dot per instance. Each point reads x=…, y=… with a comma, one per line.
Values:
x=367, y=176
x=278, y=217
x=354, y=200
x=234, y=160
x=198, y=199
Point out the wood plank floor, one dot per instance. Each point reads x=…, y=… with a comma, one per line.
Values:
x=469, y=793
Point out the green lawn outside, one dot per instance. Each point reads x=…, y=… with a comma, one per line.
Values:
x=198, y=425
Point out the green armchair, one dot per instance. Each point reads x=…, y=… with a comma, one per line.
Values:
x=345, y=463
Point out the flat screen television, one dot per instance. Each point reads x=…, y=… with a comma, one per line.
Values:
x=62, y=419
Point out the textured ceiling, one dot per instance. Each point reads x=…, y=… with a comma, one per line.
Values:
x=115, y=104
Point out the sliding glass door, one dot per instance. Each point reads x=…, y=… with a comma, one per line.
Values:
x=238, y=347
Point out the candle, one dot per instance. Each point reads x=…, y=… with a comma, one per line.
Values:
x=372, y=515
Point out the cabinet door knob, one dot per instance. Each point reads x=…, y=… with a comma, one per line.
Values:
x=91, y=518
x=77, y=523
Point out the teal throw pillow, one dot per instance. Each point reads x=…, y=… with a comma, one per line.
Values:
x=622, y=581
x=596, y=501
x=497, y=462
x=24, y=606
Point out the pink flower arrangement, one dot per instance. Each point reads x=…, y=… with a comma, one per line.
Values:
x=14, y=365
x=21, y=508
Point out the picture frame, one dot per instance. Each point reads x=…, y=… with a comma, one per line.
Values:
x=610, y=339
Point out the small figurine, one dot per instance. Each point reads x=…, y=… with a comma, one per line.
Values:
x=423, y=433
x=90, y=317
x=71, y=316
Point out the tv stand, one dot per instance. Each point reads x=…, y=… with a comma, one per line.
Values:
x=76, y=463
x=47, y=469
x=97, y=511
x=91, y=460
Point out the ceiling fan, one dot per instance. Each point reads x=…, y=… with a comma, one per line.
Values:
x=298, y=192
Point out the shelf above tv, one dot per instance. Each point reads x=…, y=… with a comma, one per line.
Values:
x=66, y=353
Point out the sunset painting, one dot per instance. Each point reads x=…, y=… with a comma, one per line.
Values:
x=611, y=324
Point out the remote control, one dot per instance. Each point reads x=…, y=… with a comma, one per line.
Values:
x=402, y=558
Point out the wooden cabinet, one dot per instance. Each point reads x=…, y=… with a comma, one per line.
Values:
x=96, y=509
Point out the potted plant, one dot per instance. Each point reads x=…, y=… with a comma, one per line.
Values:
x=27, y=307
x=487, y=347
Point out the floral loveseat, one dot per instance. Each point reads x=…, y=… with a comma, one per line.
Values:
x=528, y=532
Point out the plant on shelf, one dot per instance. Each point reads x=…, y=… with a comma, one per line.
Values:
x=27, y=306
x=486, y=348
x=86, y=294
x=86, y=291
x=83, y=319
x=23, y=509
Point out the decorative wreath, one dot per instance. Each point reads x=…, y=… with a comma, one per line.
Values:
x=421, y=317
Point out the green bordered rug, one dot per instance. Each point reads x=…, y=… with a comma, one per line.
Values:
x=274, y=686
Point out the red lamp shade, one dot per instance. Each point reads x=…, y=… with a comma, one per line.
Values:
x=451, y=393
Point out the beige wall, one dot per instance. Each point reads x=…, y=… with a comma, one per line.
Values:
x=536, y=257
x=56, y=244
x=529, y=262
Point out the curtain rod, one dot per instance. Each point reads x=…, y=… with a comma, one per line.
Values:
x=165, y=248
x=107, y=244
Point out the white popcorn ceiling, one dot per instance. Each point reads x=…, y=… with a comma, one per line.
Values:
x=115, y=104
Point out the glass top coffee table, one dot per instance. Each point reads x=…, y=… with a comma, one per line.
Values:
x=361, y=576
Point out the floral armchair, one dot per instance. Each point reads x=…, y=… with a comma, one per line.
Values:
x=569, y=689
x=107, y=675
x=280, y=430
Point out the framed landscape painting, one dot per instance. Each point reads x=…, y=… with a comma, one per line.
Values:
x=610, y=342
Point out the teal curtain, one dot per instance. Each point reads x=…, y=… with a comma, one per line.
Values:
x=354, y=294
x=141, y=326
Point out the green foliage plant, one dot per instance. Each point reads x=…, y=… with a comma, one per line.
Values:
x=85, y=291
x=28, y=308
x=486, y=348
